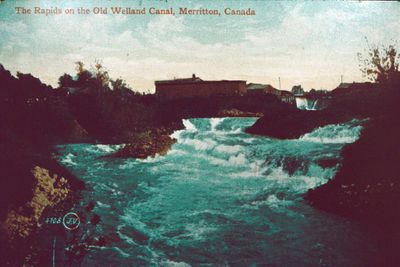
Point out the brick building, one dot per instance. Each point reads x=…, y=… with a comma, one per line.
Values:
x=197, y=87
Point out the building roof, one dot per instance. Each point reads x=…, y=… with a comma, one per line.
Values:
x=344, y=85
x=285, y=92
x=356, y=85
x=255, y=86
x=259, y=86
x=184, y=80
x=192, y=80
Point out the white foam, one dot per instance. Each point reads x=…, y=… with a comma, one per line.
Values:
x=248, y=140
x=228, y=149
x=121, y=252
x=198, y=231
x=104, y=148
x=245, y=174
x=215, y=122
x=272, y=200
x=325, y=140
x=298, y=183
x=240, y=159
x=255, y=170
x=151, y=159
x=216, y=161
x=69, y=159
x=189, y=126
x=236, y=131
x=177, y=134
x=178, y=152
x=169, y=263
x=334, y=134
x=102, y=205
x=205, y=144
x=129, y=164
x=234, y=160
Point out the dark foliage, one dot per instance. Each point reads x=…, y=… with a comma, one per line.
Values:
x=33, y=117
x=380, y=64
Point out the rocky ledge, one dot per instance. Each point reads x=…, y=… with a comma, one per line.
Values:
x=49, y=191
x=147, y=144
x=294, y=123
x=238, y=113
x=22, y=226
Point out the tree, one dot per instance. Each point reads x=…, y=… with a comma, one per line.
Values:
x=297, y=90
x=102, y=76
x=380, y=64
x=118, y=84
x=66, y=80
x=83, y=74
x=121, y=88
x=32, y=87
x=96, y=79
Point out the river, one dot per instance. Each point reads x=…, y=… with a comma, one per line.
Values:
x=220, y=197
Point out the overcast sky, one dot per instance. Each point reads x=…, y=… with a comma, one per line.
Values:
x=307, y=43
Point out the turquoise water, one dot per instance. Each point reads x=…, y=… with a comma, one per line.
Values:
x=220, y=197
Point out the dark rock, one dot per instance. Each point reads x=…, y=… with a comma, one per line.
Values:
x=107, y=240
x=367, y=186
x=238, y=113
x=156, y=141
x=281, y=195
x=328, y=162
x=294, y=123
x=95, y=219
x=89, y=207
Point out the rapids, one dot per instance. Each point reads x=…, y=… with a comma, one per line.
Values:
x=219, y=197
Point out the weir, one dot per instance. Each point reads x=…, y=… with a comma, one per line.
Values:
x=311, y=103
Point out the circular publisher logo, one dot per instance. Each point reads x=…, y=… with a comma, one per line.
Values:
x=71, y=221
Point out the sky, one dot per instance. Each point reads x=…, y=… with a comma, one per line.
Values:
x=309, y=43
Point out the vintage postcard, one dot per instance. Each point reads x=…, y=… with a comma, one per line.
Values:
x=199, y=133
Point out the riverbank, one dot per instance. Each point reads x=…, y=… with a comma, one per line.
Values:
x=367, y=186
x=54, y=193
x=32, y=183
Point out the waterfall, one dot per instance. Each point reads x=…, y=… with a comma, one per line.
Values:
x=307, y=104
